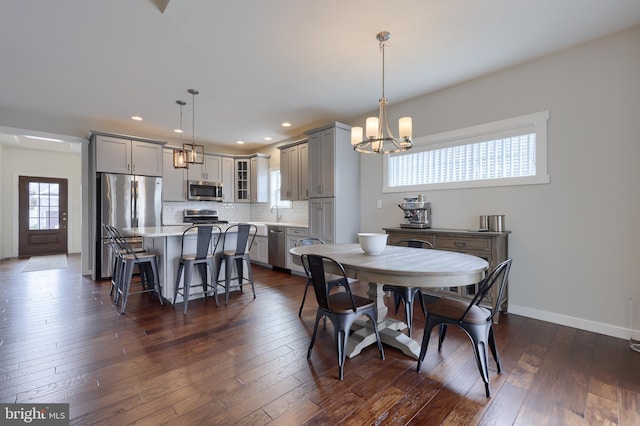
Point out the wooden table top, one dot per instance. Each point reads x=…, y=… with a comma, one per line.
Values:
x=412, y=267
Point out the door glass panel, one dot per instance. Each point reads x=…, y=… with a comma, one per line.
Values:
x=43, y=206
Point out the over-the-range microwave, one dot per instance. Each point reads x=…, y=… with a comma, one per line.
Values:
x=199, y=190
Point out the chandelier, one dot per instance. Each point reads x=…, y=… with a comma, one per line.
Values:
x=379, y=138
x=190, y=152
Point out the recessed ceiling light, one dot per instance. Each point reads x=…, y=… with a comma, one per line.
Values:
x=286, y=124
x=177, y=130
x=268, y=138
x=40, y=138
x=136, y=118
x=239, y=142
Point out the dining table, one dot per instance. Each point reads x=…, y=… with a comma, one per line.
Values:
x=396, y=265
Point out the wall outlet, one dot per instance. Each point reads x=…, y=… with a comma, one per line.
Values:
x=379, y=204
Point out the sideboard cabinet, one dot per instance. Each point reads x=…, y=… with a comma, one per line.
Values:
x=491, y=246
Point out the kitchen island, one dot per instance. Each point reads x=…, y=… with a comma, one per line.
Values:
x=166, y=242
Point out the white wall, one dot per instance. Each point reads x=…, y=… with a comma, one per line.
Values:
x=574, y=240
x=28, y=162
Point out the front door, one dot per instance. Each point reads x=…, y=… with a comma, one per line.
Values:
x=42, y=216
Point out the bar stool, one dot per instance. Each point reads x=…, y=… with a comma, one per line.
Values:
x=244, y=234
x=147, y=264
x=202, y=259
x=110, y=234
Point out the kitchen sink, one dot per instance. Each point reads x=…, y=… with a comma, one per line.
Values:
x=262, y=229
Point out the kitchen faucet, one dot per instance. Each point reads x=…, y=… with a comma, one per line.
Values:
x=278, y=217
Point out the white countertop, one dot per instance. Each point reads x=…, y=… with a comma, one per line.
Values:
x=178, y=229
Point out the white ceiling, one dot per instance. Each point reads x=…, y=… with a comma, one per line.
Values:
x=71, y=66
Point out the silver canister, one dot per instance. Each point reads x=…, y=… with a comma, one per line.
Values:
x=496, y=223
x=484, y=222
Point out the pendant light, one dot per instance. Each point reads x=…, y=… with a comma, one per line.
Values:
x=379, y=138
x=194, y=153
x=179, y=157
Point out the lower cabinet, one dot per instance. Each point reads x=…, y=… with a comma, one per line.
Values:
x=491, y=246
x=260, y=250
x=293, y=235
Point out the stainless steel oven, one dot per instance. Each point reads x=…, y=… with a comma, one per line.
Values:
x=199, y=190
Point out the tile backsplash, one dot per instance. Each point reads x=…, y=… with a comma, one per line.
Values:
x=238, y=212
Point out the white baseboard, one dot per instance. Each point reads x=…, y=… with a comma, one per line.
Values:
x=582, y=324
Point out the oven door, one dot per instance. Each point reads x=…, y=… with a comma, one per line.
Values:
x=204, y=191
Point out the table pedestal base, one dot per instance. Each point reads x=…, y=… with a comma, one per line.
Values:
x=390, y=330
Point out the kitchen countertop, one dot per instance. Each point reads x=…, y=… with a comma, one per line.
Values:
x=177, y=229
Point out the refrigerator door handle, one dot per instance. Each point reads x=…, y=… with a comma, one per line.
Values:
x=134, y=203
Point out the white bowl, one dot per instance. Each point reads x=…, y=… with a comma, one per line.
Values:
x=372, y=243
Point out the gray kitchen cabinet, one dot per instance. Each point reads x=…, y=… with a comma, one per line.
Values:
x=293, y=235
x=242, y=180
x=260, y=250
x=334, y=209
x=127, y=156
x=303, y=171
x=209, y=171
x=259, y=184
x=173, y=186
x=322, y=165
x=322, y=217
x=228, y=183
x=294, y=163
x=252, y=179
x=491, y=246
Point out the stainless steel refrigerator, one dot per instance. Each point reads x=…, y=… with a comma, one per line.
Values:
x=125, y=201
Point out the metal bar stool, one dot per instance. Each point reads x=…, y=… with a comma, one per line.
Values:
x=202, y=260
x=244, y=234
x=147, y=264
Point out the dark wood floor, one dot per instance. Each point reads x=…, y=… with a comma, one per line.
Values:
x=61, y=340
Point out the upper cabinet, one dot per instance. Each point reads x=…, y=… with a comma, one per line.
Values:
x=126, y=156
x=252, y=179
x=228, y=185
x=294, y=163
x=334, y=209
x=173, y=187
x=210, y=171
x=259, y=192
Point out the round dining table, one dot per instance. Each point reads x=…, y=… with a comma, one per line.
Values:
x=396, y=265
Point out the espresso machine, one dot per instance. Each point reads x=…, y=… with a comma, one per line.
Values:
x=417, y=214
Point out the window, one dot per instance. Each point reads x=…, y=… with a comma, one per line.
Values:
x=274, y=195
x=44, y=206
x=507, y=152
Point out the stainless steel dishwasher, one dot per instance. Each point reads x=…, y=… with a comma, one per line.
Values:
x=277, y=246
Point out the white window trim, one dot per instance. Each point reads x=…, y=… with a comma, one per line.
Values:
x=536, y=122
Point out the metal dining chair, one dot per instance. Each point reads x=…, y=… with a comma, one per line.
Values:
x=475, y=320
x=407, y=295
x=332, y=283
x=341, y=307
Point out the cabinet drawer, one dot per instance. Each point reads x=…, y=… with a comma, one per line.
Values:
x=462, y=243
x=297, y=232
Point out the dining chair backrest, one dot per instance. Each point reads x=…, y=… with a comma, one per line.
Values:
x=499, y=276
x=245, y=234
x=321, y=285
x=307, y=242
x=203, y=242
x=412, y=242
